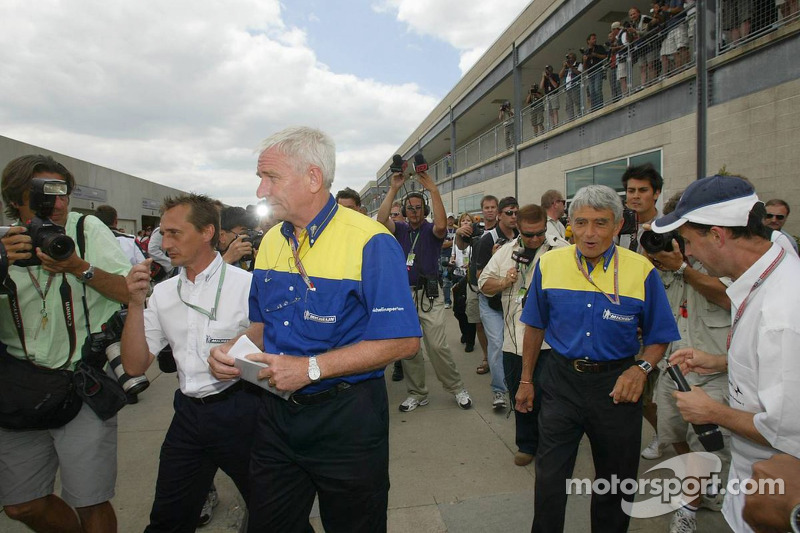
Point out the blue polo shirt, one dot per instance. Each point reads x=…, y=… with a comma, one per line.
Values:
x=358, y=274
x=426, y=246
x=581, y=322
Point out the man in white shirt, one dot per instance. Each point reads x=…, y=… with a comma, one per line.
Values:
x=554, y=204
x=720, y=220
x=204, y=306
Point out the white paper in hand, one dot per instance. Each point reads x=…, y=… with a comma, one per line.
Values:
x=250, y=369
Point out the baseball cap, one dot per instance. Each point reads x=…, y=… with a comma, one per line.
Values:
x=714, y=201
x=450, y=215
x=615, y=25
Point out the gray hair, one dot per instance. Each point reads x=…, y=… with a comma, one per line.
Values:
x=306, y=146
x=597, y=197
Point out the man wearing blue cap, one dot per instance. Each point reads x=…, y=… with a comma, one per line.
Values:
x=720, y=219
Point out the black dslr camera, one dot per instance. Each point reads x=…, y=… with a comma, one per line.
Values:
x=105, y=346
x=46, y=234
x=254, y=237
x=653, y=242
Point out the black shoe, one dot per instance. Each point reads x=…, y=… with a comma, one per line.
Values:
x=469, y=348
x=463, y=339
x=397, y=375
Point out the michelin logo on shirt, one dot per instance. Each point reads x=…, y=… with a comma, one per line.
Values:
x=308, y=315
x=608, y=315
x=387, y=309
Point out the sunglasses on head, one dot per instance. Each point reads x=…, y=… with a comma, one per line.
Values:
x=510, y=212
x=532, y=235
x=779, y=217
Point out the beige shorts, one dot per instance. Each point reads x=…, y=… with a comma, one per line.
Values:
x=473, y=311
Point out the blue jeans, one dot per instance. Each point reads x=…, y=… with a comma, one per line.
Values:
x=596, y=89
x=447, y=284
x=493, y=325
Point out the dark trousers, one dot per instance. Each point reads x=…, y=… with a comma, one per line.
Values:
x=527, y=424
x=337, y=449
x=573, y=404
x=200, y=439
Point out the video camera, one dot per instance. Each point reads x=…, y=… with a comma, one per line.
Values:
x=653, y=242
x=105, y=345
x=407, y=167
x=45, y=234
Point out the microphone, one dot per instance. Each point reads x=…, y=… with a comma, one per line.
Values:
x=420, y=165
x=709, y=434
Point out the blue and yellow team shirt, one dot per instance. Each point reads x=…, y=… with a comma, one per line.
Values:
x=582, y=322
x=357, y=290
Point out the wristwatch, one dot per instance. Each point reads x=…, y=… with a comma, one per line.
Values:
x=314, y=373
x=681, y=268
x=644, y=365
x=87, y=275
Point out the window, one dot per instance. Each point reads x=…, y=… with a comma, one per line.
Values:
x=610, y=172
x=470, y=204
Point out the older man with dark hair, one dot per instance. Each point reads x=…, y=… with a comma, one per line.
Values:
x=349, y=198
x=588, y=302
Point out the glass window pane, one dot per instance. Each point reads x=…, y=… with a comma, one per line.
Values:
x=654, y=158
x=577, y=179
x=610, y=174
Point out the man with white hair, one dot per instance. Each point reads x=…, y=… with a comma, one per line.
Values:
x=588, y=302
x=720, y=220
x=329, y=308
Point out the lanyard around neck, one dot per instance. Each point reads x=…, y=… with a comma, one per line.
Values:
x=212, y=315
x=615, y=299
x=760, y=281
x=299, y=264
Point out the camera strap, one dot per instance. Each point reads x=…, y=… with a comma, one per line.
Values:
x=66, y=303
x=81, y=242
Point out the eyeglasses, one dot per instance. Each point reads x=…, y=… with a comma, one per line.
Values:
x=510, y=213
x=413, y=208
x=396, y=214
x=532, y=235
x=779, y=217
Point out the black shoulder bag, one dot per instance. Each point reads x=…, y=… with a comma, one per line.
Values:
x=100, y=391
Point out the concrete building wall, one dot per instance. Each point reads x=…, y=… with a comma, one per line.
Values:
x=135, y=199
x=754, y=136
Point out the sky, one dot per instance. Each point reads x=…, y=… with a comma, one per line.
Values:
x=182, y=92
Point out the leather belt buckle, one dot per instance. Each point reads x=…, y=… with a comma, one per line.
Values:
x=578, y=365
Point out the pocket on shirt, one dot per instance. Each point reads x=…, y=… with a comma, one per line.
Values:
x=322, y=314
x=218, y=335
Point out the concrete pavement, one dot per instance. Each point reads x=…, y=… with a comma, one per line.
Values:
x=451, y=470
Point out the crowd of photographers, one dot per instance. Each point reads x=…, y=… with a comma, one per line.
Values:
x=586, y=338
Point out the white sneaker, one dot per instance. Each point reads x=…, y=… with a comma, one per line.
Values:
x=712, y=503
x=463, y=399
x=207, y=513
x=412, y=403
x=683, y=521
x=499, y=401
x=653, y=450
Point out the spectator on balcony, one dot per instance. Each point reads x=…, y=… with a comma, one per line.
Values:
x=506, y=118
x=675, y=48
x=613, y=45
x=571, y=74
x=534, y=100
x=593, y=56
x=549, y=84
x=643, y=52
x=736, y=19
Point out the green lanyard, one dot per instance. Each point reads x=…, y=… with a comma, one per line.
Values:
x=212, y=315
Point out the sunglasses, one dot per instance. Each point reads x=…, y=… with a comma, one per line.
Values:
x=510, y=212
x=413, y=208
x=779, y=217
x=532, y=235
x=396, y=214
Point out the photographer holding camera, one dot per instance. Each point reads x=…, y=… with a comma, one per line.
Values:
x=421, y=242
x=571, y=74
x=44, y=333
x=236, y=237
x=549, y=84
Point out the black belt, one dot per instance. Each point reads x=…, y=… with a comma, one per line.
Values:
x=218, y=397
x=586, y=366
x=321, y=396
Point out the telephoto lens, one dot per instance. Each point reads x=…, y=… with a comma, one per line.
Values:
x=709, y=434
